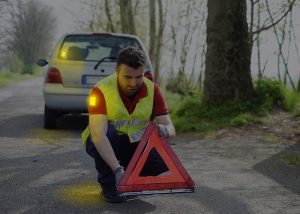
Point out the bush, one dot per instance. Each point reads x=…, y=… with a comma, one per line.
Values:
x=269, y=94
x=244, y=119
x=272, y=93
x=28, y=69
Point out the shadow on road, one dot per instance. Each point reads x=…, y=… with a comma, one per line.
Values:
x=134, y=206
x=219, y=201
x=74, y=122
x=277, y=170
x=31, y=126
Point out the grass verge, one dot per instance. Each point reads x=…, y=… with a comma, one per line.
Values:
x=291, y=160
x=190, y=114
x=9, y=77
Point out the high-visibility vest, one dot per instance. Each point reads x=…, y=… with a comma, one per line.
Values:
x=134, y=124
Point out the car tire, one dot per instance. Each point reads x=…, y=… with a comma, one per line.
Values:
x=49, y=118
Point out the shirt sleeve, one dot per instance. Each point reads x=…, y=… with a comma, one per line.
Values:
x=159, y=104
x=149, y=76
x=96, y=102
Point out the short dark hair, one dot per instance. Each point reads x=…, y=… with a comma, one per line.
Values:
x=132, y=57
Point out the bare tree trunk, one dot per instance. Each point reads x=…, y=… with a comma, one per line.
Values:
x=93, y=7
x=174, y=51
x=227, y=73
x=131, y=22
x=202, y=66
x=258, y=44
x=278, y=67
x=187, y=38
x=123, y=17
x=296, y=48
x=192, y=75
x=162, y=24
x=280, y=44
x=152, y=31
x=156, y=35
x=110, y=25
x=251, y=34
x=127, y=19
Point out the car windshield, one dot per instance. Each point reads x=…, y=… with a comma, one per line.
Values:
x=94, y=47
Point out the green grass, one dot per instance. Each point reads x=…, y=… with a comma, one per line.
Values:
x=9, y=77
x=245, y=119
x=190, y=114
x=272, y=93
x=271, y=138
x=291, y=160
x=171, y=99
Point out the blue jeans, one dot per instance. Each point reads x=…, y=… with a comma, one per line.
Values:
x=123, y=150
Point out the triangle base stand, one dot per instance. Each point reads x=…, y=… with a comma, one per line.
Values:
x=154, y=192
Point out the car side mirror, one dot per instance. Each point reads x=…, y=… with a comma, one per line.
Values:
x=42, y=62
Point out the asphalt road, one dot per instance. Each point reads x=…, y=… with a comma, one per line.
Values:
x=43, y=171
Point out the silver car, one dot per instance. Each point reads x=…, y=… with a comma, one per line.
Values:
x=77, y=63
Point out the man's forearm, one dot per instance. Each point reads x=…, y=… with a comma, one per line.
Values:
x=105, y=150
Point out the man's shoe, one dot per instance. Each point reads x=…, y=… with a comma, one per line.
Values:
x=112, y=197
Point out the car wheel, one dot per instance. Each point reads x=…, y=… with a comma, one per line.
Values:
x=49, y=118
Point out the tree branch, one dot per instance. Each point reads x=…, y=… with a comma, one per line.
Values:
x=291, y=4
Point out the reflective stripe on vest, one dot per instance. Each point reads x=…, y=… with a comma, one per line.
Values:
x=129, y=123
x=133, y=125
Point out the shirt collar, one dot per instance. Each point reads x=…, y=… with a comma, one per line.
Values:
x=141, y=93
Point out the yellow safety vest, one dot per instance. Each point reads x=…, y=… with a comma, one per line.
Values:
x=134, y=124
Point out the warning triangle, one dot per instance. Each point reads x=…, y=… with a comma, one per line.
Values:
x=176, y=178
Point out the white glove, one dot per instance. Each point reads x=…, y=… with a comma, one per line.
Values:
x=119, y=172
x=163, y=131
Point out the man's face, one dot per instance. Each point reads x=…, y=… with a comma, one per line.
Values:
x=130, y=79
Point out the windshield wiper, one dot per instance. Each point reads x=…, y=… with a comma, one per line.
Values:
x=103, y=59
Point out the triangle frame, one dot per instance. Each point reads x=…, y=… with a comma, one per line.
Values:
x=177, y=178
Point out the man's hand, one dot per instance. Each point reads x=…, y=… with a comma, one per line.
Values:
x=163, y=131
x=118, y=174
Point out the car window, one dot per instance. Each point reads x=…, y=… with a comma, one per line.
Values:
x=93, y=47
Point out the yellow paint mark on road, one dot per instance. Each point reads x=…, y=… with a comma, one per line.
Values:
x=80, y=195
x=45, y=137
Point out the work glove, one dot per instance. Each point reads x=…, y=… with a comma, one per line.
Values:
x=163, y=131
x=119, y=172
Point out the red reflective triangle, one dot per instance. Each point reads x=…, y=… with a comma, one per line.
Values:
x=177, y=177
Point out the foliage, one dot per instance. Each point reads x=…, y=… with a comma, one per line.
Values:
x=291, y=160
x=269, y=93
x=271, y=138
x=272, y=93
x=244, y=119
x=29, y=34
x=192, y=114
x=172, y=99
x=10, y=77
x=27, y=69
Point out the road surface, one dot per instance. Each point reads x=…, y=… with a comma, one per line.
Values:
x=48, y=171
